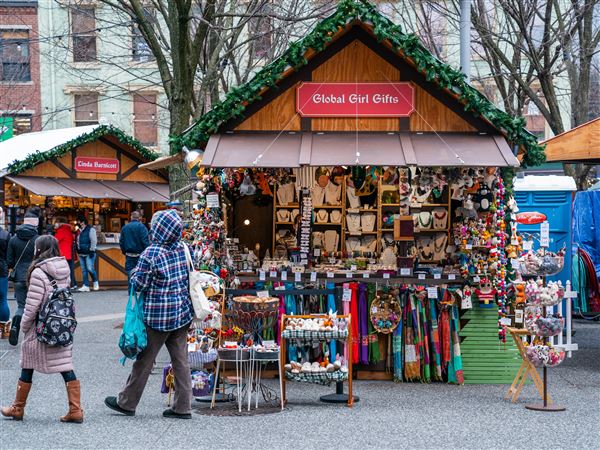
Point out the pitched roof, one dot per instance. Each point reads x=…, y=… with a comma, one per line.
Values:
x=579, y=144
x=27, y=150
x=352, y=12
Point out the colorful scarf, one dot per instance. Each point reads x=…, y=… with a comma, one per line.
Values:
x=363, y=317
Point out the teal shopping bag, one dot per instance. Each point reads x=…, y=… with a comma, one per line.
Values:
x=133, y=338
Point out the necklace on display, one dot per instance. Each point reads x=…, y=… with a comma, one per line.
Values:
x=368, y=222
x=353, y=221
x=318, y=195
x=440, y=219
x=425, y=249
x=335, y=216
x=421, y=194
x=425, y=224
x=439, y=248
x=333, y=194
x=322, y=216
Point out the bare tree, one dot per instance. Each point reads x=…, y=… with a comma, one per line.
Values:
x=202, y=47
x=537, y=53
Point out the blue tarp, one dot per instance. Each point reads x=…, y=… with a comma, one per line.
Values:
x=586, y=224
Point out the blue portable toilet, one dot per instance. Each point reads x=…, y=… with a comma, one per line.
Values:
x=551, y=195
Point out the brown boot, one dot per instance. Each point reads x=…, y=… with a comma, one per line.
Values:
x=75, y=413
x=17, y=409
x=5, y=329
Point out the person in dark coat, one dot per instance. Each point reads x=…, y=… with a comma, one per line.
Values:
x=21, y=248
x=4, y=309
x=133, y=241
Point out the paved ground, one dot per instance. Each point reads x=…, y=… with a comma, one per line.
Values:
x=388, y=415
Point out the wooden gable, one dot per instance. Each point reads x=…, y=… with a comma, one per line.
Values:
x=356, y=56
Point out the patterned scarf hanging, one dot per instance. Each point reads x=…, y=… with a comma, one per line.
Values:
x=435, y=339
x=363, y=317
x=331, y=307
x=456, y=353
x=374, y=351
x=412, y=360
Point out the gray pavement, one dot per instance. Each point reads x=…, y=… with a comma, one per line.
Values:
x=388, y=415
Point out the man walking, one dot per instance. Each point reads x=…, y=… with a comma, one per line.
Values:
x=133, y=241
x=162, y=275
x=87, y=240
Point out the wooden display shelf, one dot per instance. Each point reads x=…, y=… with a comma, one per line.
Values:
x=328, y=224
x=441, y=230
x=328, y=207
x=284, y=223
x=359, y=233
x=430, y=205
x=393, y=205
x=360, y=210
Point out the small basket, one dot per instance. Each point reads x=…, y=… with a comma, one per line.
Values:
x=199, y=358
x=234, y=354
x=268, y=355
x=314, y=336
x=201, y=384
x=544, y=355
x=323, y=378
x=544, y=326
x=385, y=313
x=534, y=265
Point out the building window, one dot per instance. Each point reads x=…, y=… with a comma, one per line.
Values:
x=13, y=124
x=83, y=28
x=260, y=28
x=14, y=55
x=140, y=50
x=534, y=119
x=144, y=119
x=86, y=109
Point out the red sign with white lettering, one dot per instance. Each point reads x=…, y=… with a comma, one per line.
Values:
x=355, y=99
x=531, y=217
x=96, y=165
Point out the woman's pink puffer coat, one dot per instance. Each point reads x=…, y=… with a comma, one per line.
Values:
x=35, y=355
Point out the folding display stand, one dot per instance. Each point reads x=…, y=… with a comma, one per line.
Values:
x=339, y=396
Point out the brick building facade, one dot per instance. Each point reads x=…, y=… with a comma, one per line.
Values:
x=20, y=66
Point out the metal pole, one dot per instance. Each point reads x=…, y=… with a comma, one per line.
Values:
x=465, y=37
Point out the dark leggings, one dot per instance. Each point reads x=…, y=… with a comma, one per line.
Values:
x=27, y=375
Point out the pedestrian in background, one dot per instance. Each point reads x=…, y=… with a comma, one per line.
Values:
x=65, y=237
x=162, y=276
x=133, y=241
x=35, y=355
x=4, y=309
x=19, y=256
x=87, y=241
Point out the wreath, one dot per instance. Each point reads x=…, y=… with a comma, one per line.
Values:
x=385, y=313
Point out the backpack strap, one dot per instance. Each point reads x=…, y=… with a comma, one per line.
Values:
x=50, y=278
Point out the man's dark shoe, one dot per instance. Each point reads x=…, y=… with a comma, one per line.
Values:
x=173, y=415
x=13, y=336
x=111, y=402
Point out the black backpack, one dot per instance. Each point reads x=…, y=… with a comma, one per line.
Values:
x=56, y=321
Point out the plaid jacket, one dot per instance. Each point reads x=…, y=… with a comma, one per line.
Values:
x=162, y=275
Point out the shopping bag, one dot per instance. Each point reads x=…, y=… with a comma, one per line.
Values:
x=133, y=338
x=199, y=301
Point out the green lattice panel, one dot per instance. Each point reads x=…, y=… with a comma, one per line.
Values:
x=486, y=360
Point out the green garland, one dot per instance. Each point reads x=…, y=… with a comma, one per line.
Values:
x=444, y=76
x=38, y=157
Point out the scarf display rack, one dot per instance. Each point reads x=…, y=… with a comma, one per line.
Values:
x=424, y=347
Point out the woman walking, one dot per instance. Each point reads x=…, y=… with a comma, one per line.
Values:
x=35, y=355
x=162, y=275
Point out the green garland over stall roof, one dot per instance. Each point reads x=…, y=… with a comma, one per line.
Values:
x=441, y=74
x=38, y=157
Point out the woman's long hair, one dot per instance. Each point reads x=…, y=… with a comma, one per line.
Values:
x=46, y=246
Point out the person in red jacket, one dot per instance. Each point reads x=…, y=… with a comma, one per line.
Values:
x=65, y=237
